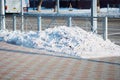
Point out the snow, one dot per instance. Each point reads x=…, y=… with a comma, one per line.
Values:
x=74, y=10
x=72, y=41
x=109, y=12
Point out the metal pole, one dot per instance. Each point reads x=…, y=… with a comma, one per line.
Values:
x=2, y=15
x=105, y=28
x=33, y=4
x=58, y=6
x=94, y=16
x=108, y=6
x=69, y=22
x=119, y=8
x=39, y=23
x=14, y=22
x=22, y=16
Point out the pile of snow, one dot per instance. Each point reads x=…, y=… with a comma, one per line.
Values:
x=73, y=41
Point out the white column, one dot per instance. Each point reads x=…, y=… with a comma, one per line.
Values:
x=94, y=16
x=2, y=15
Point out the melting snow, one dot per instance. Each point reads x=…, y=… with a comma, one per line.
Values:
x=73, y=41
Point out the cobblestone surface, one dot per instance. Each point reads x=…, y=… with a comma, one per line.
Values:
x=19, y=63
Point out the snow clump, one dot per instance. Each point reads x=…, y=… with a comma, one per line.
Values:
x=69, y=40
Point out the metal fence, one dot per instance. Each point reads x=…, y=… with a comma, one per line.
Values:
x=31, y=22
x=36, y=23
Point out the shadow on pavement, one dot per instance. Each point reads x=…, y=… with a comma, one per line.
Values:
x=106, y=61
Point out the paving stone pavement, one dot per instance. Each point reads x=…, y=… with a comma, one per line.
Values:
x=19, y=63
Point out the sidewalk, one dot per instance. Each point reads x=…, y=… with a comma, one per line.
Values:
x=19, y=63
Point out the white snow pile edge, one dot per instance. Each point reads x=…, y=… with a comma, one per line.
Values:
x=73, y=41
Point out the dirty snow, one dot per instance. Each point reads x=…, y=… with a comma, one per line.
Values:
x=73, y=41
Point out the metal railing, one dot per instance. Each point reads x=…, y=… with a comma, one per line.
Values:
x=38, y=22
x=35, y=22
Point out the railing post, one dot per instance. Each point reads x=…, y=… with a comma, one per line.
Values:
x=22, y=17
x=39, y=23
x=69, y=21
x=58, y=6
x=94, y=16
x=22, y=23
x=119, y=8
x=2, y=15
x=108, y=6
x=0, y=21
x=14, y=22
x=105, y=28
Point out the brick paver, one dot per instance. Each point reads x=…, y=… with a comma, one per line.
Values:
x=19, y=63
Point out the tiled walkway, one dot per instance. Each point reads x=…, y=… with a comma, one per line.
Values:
x=19, y=63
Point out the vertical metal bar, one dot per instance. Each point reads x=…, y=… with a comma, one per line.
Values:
x=108, y=6
x=22, y=17
x=119, y=8
x=2, y=15
x=69, y=21
x=94, y=16
x=14, y=22
x=0, y=21
x=58, y=6
x=22, y=23
x=105, y=28
x=39, y=23
x=34, y=4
